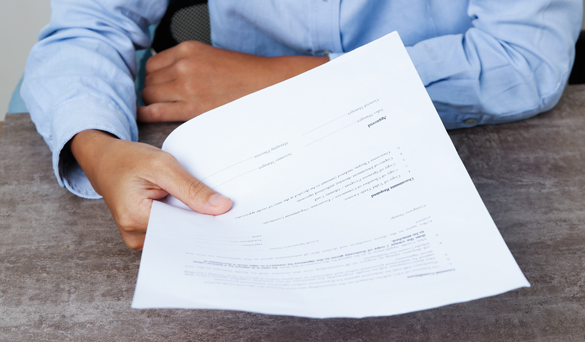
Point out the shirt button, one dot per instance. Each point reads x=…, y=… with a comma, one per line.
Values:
x=471, y=122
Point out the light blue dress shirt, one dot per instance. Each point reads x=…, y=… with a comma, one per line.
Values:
x=482, y=61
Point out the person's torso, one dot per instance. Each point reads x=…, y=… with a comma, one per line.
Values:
x=312, y=27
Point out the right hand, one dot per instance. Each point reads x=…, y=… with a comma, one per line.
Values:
x=130, y=175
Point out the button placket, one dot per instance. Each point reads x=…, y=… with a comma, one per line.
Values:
x=324, y=24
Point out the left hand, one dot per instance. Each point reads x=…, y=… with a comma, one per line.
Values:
x=192, y=78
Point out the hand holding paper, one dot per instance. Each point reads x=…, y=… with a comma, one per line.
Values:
x=131, y=175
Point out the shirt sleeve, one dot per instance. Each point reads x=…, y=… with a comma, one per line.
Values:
x=511, y=64
x=80, y=74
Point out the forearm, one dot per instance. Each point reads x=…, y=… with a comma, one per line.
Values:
x=513, y=63
x=80, y=75
x=285, y=67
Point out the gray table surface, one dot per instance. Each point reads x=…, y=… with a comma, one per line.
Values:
x=65, y=273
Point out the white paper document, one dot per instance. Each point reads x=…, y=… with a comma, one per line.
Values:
x=349, y=201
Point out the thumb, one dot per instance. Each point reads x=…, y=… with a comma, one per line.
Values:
x=191, y=191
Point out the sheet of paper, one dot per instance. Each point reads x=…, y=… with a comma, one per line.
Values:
x=349, y=201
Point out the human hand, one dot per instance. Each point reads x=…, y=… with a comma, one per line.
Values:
x=192, y=78
x=131, y=175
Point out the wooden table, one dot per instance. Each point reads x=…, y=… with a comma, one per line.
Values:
x=65, y=273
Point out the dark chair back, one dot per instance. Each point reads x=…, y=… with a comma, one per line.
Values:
x=578, y=72
x=184, y=20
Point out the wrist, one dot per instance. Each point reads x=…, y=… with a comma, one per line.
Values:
x=87, y=147
x=291, y=66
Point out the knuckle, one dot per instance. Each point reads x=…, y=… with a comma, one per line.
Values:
x=126, y=223
x=162, y=162
x=134, y=244
x=131, y=230
x=152, y=64
x=195, y=188
x=160, y=166
x=182, y=66
x=149, y=65
x=187, y=46
x=156, y=112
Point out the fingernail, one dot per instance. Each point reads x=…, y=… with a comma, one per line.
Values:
x=217, y=200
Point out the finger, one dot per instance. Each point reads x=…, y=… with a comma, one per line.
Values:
x=160, y=76
x=165, y=92
x=192, y=192
x=162, y=59
x=132, y=220
x=167, y=112
x=170, y=56
x=133, y=240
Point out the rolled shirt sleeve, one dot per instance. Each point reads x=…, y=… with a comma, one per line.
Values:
x=80, y=74
x=512, y=64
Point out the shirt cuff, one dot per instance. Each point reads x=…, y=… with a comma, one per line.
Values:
x=75, y=116
x=334, y=55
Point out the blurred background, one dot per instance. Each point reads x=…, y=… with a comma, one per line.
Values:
x=20, y=22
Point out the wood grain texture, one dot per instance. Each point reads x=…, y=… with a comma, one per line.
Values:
x=65, y=273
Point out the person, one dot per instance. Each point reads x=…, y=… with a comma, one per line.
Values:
x=482, y=62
